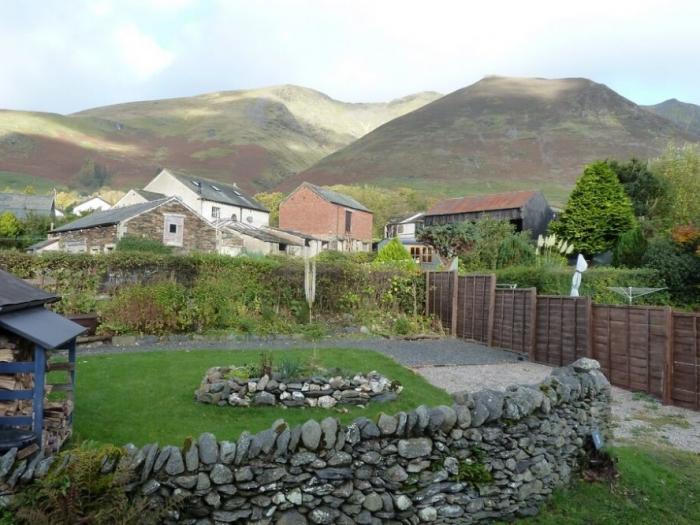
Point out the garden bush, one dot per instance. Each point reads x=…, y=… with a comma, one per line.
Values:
x=679, y=270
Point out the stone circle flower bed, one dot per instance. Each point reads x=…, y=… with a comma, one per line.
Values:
x=232, y=386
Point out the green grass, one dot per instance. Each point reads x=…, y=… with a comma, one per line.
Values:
x=147, y=397
x=656, y=486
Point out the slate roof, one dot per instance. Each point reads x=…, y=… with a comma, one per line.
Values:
x=39, y=245
x=113, y=216
x=149, y=195
x=478, y=203
x=21, y=205
x=216, y=191
x=337, y=198
x=265, y=234
x=15, y=294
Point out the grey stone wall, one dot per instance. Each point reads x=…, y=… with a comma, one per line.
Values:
x=491, y=455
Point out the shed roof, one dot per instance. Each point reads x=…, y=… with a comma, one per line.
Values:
x=266, y=234
x=477, y=203
x=113, y=216
x=41, y=326
x=217, y=191
x=336, y=198
x=15, y=294
x=21, y=205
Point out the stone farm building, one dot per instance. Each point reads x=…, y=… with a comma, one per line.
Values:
x=526, y=210
x=213, y=200
x=339, y=221
x=167, y=220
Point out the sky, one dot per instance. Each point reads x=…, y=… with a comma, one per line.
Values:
x=67, y=55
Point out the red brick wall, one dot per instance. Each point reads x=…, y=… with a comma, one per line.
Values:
x=306, y=212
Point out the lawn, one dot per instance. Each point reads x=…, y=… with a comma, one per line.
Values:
x=146, y=397
x=656, y=486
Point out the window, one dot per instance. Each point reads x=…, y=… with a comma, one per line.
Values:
x=348, y=221
x=173, y=229
x=109, y=248
x=215, y=212
x=196, y=183
x=234, y=218
x=215, y=188
x=400, y=228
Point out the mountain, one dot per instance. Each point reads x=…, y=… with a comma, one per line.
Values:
x=683, y=114
x=253, y=137
x=500, y=134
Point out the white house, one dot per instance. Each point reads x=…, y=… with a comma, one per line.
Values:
x=213, y=200
x=135, y=196
x=403, y=227
x=92, y=204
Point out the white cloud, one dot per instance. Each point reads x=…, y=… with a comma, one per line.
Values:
x=140, y=52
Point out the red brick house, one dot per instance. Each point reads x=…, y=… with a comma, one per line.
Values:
x=342, y=223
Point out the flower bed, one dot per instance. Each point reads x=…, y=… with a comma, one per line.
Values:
x=232, y=386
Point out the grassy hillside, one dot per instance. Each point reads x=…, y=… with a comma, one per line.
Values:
x=500, y=133
x=685, y=115
x=254, y=137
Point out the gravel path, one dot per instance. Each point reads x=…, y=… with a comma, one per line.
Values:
x=638, y=418
x=440, y=352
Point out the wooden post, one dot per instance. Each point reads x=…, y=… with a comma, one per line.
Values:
x=71, y=360
x=668, y=359
x=533, y=323
x=455, y=292
x=492, y=309
x=427, y=292
x=38, y=400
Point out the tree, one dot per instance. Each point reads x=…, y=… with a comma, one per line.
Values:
x=679, y=167
x=644, y=188
x=10, y=228
x=449, y=240
x=597, y=213
x=630, y=248
x=93, y=176
x=272, y=202
x=393, y=251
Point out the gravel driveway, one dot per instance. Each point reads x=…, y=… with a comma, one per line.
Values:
x=638, y=418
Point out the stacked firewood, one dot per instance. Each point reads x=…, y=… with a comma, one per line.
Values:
x=57, y=427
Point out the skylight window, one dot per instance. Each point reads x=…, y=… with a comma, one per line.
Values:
x=215, y=188
x=196, y=183
x=237, y=193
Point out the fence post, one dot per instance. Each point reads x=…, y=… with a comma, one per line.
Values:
x=455, y=291
x=668, y=359
x=492, y=309
x=427, y=292
x=533, y=322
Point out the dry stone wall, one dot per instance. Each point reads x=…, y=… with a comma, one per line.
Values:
x=491, y=455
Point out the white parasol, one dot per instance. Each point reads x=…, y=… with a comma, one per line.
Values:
x=581, y=266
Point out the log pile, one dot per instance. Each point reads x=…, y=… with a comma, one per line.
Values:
x=57, y=426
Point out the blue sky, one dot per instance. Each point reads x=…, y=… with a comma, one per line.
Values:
x=67, y=55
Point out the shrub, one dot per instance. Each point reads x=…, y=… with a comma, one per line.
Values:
x=630, y=248
x=393, y=251
x=680, y=271
x=138, y=244
x=597, y=213
x=78, y=493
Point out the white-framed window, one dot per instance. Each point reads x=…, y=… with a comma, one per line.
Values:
x=173, y=229
x=400, y=228
x=234, y=218
x=215, y=212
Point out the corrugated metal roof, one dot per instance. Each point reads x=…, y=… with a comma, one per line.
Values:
x=413, y=217
x=113, y=216
x=21, y=205
x=216, y=191
x=41, y=326
x=337, y=198
x=15, y=294
x=477, y=203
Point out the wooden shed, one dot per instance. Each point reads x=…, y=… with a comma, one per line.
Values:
x=28, y=333
x=526, y=210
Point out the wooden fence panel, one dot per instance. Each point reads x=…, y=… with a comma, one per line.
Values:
x=439, y=297
x=475, y=297
x=630, y=343
x=514, y=319
x=685, y=388
x=561, y=329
